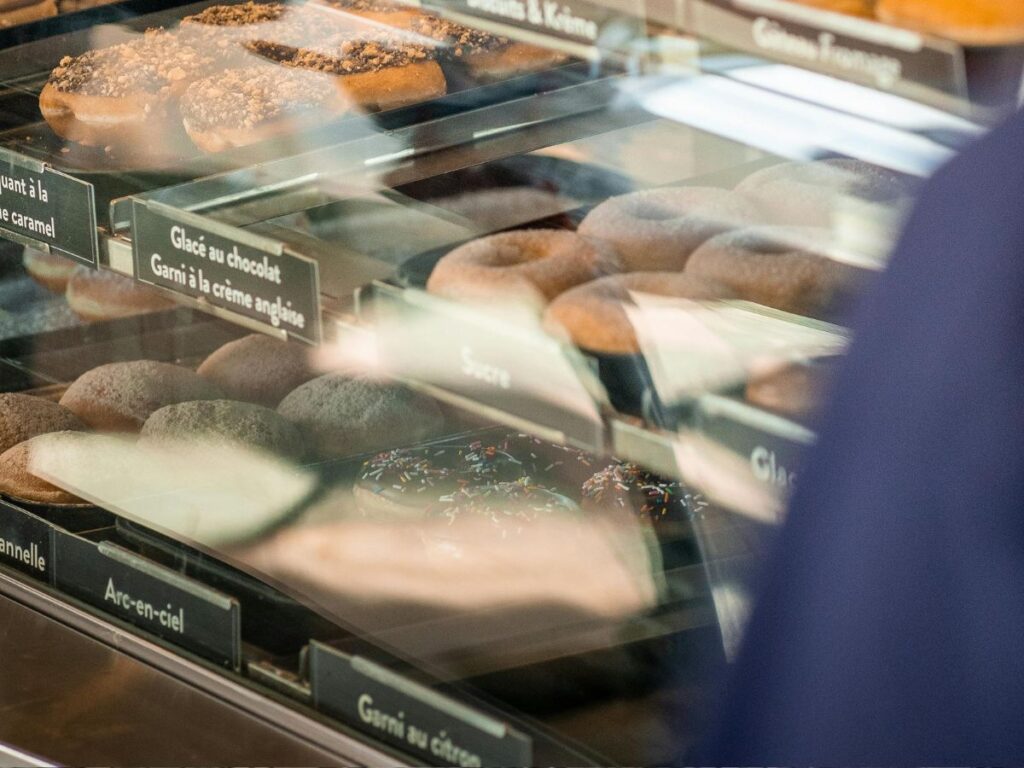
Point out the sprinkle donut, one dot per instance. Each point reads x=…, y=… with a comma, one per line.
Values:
x=530, y=265
x=658, y=229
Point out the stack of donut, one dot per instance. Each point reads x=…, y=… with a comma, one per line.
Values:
x=767, y=241
x=233, y=75
x=92, y=294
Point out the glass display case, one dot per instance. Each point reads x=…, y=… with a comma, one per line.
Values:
x=436, y=375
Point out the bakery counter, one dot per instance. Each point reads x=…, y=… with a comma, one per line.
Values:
x=157, y=99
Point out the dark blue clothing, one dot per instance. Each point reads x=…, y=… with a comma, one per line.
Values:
x=890, y=625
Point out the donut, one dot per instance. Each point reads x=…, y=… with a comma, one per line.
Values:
x=225, y=422
x=344, y=416
x=979, y=22
x=485, y=56
x=406, y=481
x=645, y=495
x=119, y=397
x=18, y=483
x=494, y=209
x=369, y=72
x=594, y=315
x=507, y=506
x=530, y=265
x=15, y=12
x=861, y=8
x=48, y=269
x=657, y=229
x=127, y=95
x=794, y=390
x=807, y=193
x=25, y=416
x=243, y=106
x=390, y=14
x=780, y=267
x=99, y=294
x=258, y=369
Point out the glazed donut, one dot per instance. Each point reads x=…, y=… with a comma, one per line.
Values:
x=119, y=397
x=18, y=483
x=49, y=269
x=594, y=317
x=780, y=267
x=23, y=417
x=258, y=369
x=239, y=107
x=486, y=56
x=369, y=72
x=645, y=495
x=99, y=294
x=345, y=417
x=529, y=265
x=861, y=8
x=657, y=229
x=14, y=12
x=806, y=193
x=979, y=22
x=126, y=95
x=405, y=482
x=225, y=422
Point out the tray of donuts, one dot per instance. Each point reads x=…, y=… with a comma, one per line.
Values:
x=972, y=53
x=770, y=241
x=251, y=81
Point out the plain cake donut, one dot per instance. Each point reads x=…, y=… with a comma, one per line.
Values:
x=24, y=416
x=594, y=315
x=48, y=269
x=780, y=267
x=119, y=397
x=344, y=416
x=806, y=193
x=658, y=229
x=225, y=422
x=258, y=369
x=17, y=482
x=99, y=294
x=531, y=265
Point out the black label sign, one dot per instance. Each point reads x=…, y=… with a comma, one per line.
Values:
x=575, y=20
x=42, y=206
x=410, y=716
x=873, y=54
x=772, y=446
x=244, y=274
x=151, y=597
x=26, y=542
x=506, y=365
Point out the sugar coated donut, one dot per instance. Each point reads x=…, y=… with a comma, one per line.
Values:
x=119, y=397
x=99, y=294
x=529, y=265
x=657, y=229
x=781, y=267
x=979, y=22
x=25, y=416
x=125, y=95
x=807, y=193
x=18, y=482
x=225, y=422
x=345, y=417
x=594, y=315
x=258, y=369
x=49, y=269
